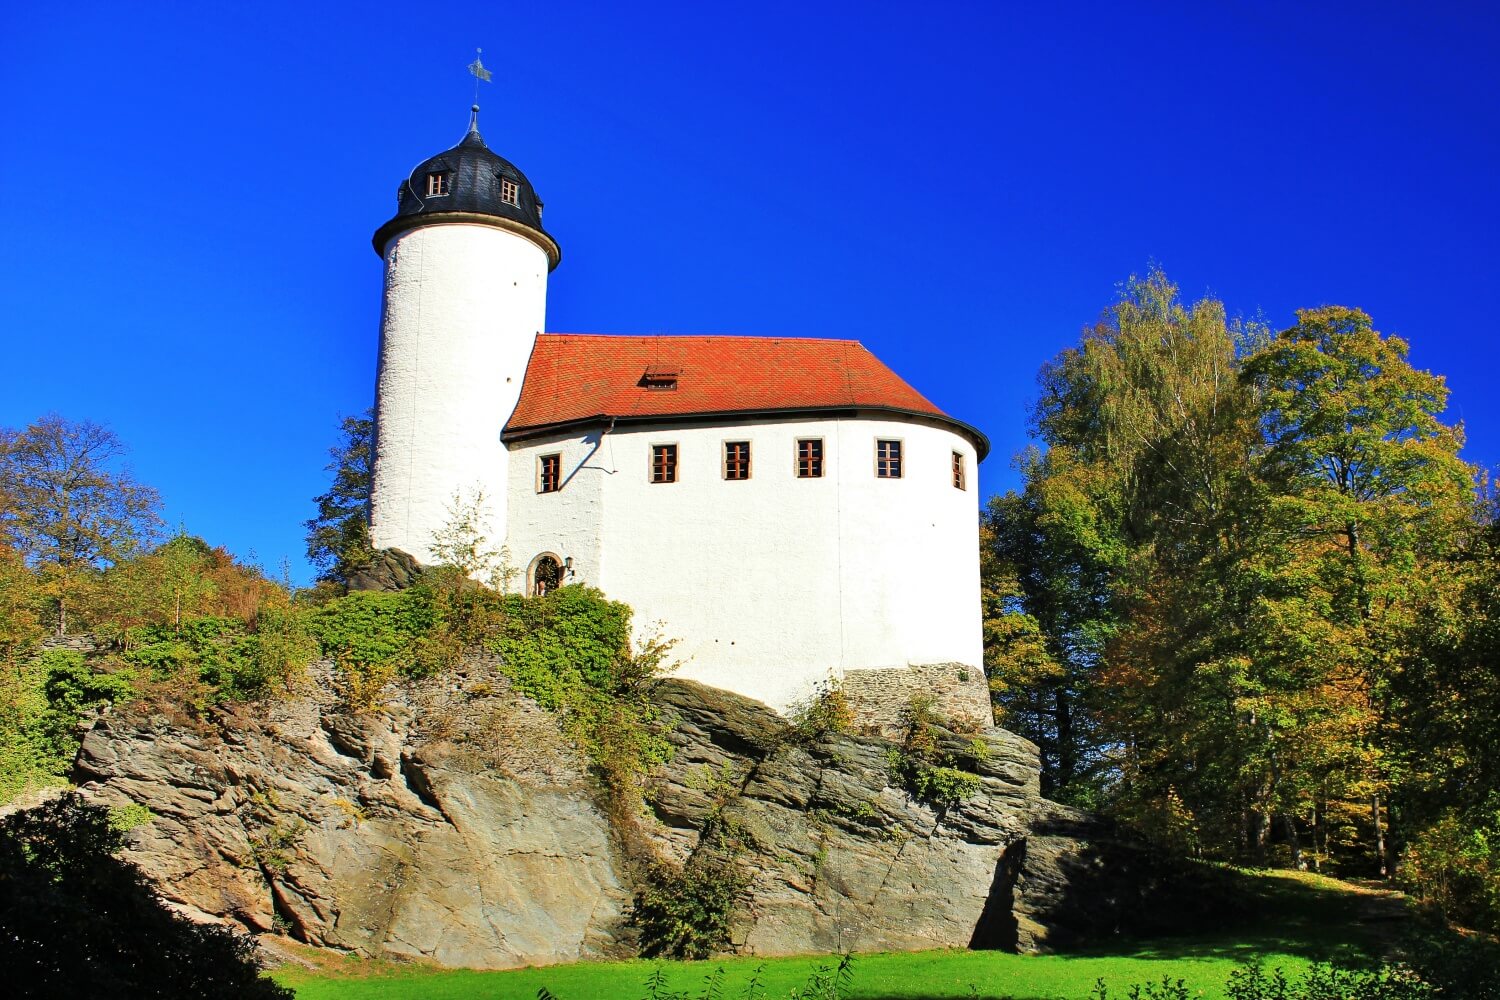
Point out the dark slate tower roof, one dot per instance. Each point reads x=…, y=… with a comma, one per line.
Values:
x=474, y=182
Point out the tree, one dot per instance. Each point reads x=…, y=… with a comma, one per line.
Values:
x=338, y=538
x=1370, y=497
x=1047, y=615
x=462, y=543
x=68, y=508
x=1146, y=427
x=76, y=921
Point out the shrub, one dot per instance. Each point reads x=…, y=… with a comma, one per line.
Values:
x=570, y=651
x=368, y=631
x=1455, y=865
x=285, y=646
x=684, y=912
x=213, y=659
x=573, y=636
x=826, y=712
x=1328, y=982
x=920, y=765
x=42, y=701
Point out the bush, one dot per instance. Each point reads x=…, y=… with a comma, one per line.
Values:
x=76, y=921
x=1458, y=965
x=366, y=630
x=1328, y=982
x=927, y=772
x=684, y=912
x=571, y=638
x=1455, y=865
x=827, y=712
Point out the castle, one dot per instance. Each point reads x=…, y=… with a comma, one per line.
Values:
x=789, y=510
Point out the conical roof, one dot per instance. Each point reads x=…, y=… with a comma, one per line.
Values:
x=469, y=183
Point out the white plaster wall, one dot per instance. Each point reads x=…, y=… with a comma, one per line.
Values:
x=772, y=583
x=463, y=306
x=567, y=523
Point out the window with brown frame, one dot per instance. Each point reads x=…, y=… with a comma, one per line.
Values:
x=549, y=474
x=508, y=191
x=736, y=459
x=437, y=185
x=959, y=480
x=887, y=459
x=664, y=463
x=809, y=458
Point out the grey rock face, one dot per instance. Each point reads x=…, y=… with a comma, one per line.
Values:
x=448, y=826
x=388, y=569
x=840, y=859
x=457, y=825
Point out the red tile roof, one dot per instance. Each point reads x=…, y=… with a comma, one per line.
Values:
x=576, y=377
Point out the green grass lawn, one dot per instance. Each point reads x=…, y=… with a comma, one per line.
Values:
x=1291, y=920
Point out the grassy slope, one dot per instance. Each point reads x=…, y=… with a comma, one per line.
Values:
x=1291, y=920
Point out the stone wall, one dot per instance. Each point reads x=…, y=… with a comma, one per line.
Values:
x=879, y=698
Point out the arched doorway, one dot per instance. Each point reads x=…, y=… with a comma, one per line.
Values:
x=545, y=575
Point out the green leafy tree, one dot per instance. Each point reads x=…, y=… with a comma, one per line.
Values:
x=1147, y=429
x=182, y=568
x=69, y=509
x=338, y=538
x=1045, y=594
x=1368, y=499
x=462, y=543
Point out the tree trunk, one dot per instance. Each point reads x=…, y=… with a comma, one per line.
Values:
x=1067, y=762
x=1316, y=826
x=1291, y=837
x=1379, y=834
x=1260, y=826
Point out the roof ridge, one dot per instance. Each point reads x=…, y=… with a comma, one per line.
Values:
x=708, y=336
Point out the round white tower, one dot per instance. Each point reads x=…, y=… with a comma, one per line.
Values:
x=466, y=265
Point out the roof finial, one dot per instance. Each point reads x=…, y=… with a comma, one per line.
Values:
x=480, y=73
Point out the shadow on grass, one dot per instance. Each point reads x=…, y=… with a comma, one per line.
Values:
x=1245, y=914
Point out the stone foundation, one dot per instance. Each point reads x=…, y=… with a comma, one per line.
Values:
x=959, y=694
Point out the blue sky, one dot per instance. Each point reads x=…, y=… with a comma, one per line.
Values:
x=191, y=189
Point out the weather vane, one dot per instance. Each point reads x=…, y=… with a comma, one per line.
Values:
x=480, y=73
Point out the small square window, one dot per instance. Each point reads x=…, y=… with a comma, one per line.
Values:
x=960, y=480
x=509, y=193
x=437, y=185
x=664, y=463
x=810, y=458
x=887, y=459
x=736, y=459
x=549, y=474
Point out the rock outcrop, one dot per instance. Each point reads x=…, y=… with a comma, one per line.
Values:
x=387, y=569
x=457, y=825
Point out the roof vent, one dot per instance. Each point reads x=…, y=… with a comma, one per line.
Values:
x=660, y=377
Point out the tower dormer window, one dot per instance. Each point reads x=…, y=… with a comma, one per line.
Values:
x=437, y=184
x=509, y=192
